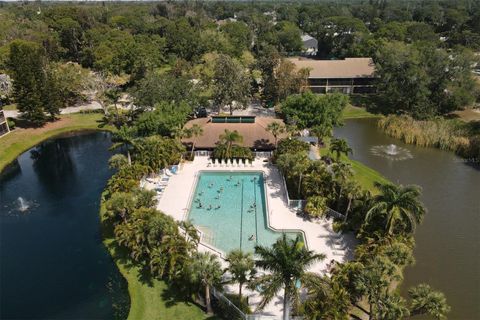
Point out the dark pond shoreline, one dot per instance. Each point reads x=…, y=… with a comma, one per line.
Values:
x=448, y=242
x=52, y=259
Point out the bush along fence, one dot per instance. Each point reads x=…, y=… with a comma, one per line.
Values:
x=232, y=312
x=299, y=204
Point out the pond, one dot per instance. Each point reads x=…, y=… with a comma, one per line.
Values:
x=52, y=260
x=448, y=242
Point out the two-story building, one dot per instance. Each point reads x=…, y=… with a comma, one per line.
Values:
x=351, y=75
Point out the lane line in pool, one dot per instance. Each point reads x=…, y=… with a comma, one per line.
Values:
x=241, y=218
x=255, y=207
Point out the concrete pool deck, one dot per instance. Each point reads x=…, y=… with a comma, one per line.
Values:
x=319, y=234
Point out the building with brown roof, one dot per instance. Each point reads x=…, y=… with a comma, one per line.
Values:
x=351, y=75
x=252, y=129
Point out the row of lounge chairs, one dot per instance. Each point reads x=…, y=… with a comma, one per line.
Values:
x=230, y=163
x=161, y=181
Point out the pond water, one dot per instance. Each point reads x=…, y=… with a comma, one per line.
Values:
x=53, y=264
x=448, y=242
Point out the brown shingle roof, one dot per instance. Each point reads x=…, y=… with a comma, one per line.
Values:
x=328, y=69
x=254, y=135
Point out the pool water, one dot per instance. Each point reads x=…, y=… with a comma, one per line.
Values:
x=230, y=209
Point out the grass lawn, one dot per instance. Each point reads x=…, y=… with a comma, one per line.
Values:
x=364, y=175
x=10, y=107
x=153, y=299
x=352, y=112
x=21, y=139
x=150, y=299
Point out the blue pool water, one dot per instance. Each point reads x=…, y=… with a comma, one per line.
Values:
x=230, y=208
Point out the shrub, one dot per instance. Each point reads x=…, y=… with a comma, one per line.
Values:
x=291, y=146
x=11, y=123
x=316, y=206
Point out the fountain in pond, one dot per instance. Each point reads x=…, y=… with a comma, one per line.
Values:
x=391, y=152
x=22, y=205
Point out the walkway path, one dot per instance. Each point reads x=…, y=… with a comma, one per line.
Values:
x=319, y=234
x=93, y=105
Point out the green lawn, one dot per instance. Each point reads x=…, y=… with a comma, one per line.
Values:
x=150, y=299
x=351, y=112
x=364, y=175
x=22, y=139
x=10, y=107
x=153, y=299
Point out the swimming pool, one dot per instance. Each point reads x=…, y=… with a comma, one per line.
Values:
x=230, y=210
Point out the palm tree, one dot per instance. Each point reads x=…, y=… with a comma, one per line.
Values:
x=229, y=138
x=286, y=263
x=351, y=190
x=206, y=270
x=191, y=233
x=339, y=146
x=124, y=137
x=275, y=129
x=193, y=132
x=342, y=172
x=427, y=301
x=373, y=280
x=316, y=206
x=178, y=132
x=242, y=268
x=294, y=165
x=112, y=95
x=299, y=168
x=397, y=203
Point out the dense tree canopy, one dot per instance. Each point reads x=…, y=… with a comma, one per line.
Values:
x=308, y=110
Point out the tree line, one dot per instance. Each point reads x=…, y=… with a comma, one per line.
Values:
x=423, y=51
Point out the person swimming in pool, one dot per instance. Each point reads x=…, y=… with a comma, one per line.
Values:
x=251, y=238
x=209, y=207
x=217, y=207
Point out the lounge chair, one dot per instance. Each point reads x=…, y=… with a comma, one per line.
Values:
x=251, y=163
x=220, y=161
x=213, y=162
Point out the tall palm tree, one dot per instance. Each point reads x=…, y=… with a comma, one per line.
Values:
x=112, y=95
x=193, y=132
x=229, y=138
x=397, y=203
x=206, y=270
x=342, y=172
x=286, y=264
x=275, y=129
x=299, y=168
x=242, y=268
x=294, y=166
x=351, y=190
x=339, y=147
x=124, y=137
